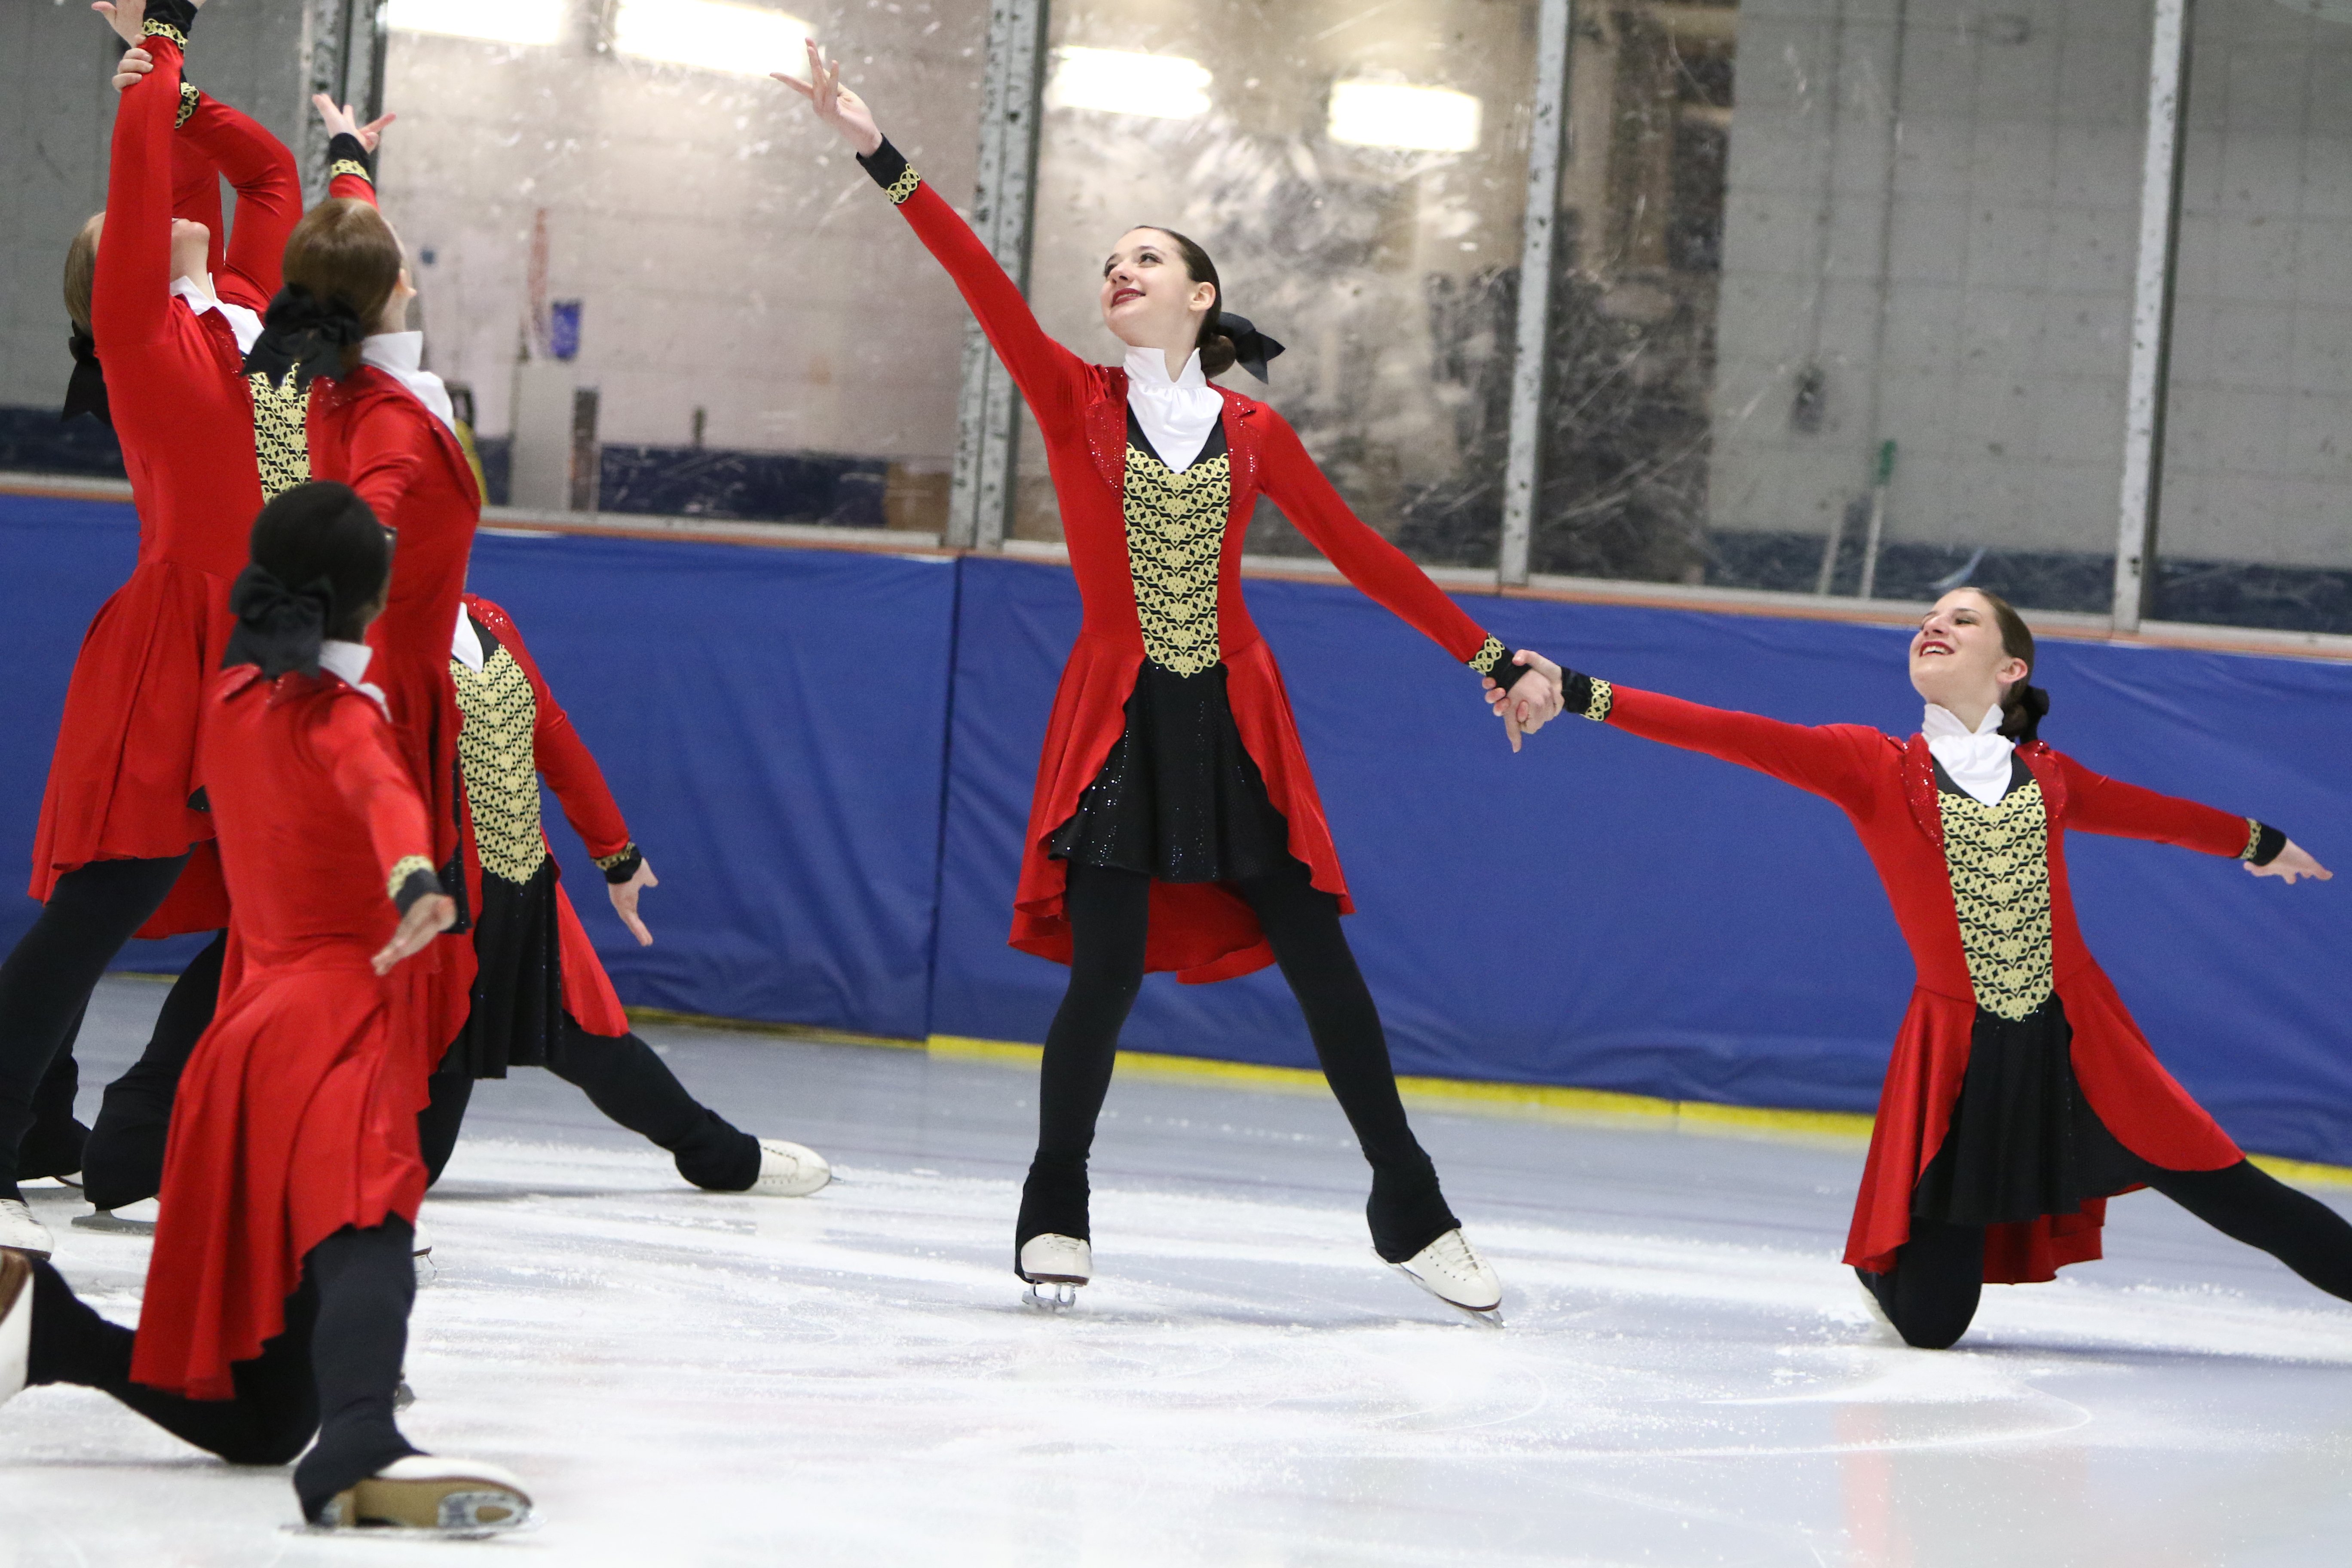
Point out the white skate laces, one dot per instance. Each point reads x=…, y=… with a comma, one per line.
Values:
x=448, y=1497
x=1449, y=1270
x=16, y=1324
x=20, y=1230
x=789, y=1170
x=1053, y=1266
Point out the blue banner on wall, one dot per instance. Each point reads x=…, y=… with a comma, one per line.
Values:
x=828, y=757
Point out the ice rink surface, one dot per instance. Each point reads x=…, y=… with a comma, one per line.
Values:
x=1687, y=1375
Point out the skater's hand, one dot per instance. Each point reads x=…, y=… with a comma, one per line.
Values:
x=1533, y=700
x=2291, y=862
x=835, y=104
x=131, y=67
x=342, y=121
x=625, y=901
x=427, y=918
x=129, y=20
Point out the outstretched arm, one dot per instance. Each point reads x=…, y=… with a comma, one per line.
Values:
x=1050, y=376
x=2097, y=803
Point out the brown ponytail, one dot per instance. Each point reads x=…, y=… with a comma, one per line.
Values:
x=2023, y=705
x=81, y=272
x=344, y=255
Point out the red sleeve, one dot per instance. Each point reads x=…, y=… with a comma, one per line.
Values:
x=386, y=453
x=268, y=196
x=563, y=758
x=1833, y=761
x=354, y=742
x=195, y=184
x=351, y=183
x=1382, y=572
x=132, y=293
x=1050, y=376
x=2097, y=803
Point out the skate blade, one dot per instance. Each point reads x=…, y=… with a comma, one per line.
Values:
x=403, y=1396
x=107, y=1221
x=1052, y=1295
x=452, y=1509
x=1488, y=1317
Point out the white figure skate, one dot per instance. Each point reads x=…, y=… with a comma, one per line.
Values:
x=20, y=1230
x=15, y=1322
x=1053, y=1266
x=461, y=1497
x=789, y=1170
x=420, y=1253
x=1449, y=1270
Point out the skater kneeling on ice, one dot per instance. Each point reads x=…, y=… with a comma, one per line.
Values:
x=277, y=1296
x=2020, y=1095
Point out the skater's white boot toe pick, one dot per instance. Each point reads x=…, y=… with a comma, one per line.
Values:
x=1451, y=1270
x=15, y=1322
x=1053, y=1266
x=424, y=1491
x=789, y=1170
x=20, y=1230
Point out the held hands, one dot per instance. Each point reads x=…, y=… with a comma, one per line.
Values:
x=625, y=901
x=341, y=121
x=1533, y=700
x=133, y=65
x=835, y=104
x=2291, y=862
x=427, y=918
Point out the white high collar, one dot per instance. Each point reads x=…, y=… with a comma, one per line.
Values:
x=349, y=660
x=401, y=355
x=466, y=647
x=1977, y=760
x=242, y=324
x=1177, y=415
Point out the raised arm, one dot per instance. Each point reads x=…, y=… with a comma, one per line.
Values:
x=268, y=188
x=2097, y=803
x=131, y=294
x=1050, y=376
x=350, y=150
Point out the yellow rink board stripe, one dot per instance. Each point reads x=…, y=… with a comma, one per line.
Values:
x=1470, y=1095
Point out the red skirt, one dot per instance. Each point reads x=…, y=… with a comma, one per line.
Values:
x=1202, y=931
x=125, y=760
x=295, y=1117
x=2140, y=1103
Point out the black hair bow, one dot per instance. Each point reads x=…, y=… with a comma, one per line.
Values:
x=86, y=393
x=278, y=627
x=1252, y=348
x=2028, y=706
x=303, y=336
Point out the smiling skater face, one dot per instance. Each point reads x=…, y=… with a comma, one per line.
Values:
x=1960, y=657
x=1150, y=300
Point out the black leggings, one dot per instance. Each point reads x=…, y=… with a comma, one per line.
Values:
x=1930, y=1294
x=333, y=1372
x=123, y=1160
x=46, y=983
x=1110, y=912
x=629, y=1083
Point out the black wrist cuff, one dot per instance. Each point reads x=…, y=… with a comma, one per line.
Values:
x=417, y=884
x=347, y=155
x=1505, y=674
x=619, y=869
x=1586, y=696
x=173, y=19
x=891, y=172
x=2267, y=843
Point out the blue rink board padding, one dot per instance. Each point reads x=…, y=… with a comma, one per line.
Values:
x=828, y=756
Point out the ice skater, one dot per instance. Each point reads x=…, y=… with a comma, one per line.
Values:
x=279, y=1290
x=540, y=995
x=161, y=315
x=2020, y=1095
x=1175, y=824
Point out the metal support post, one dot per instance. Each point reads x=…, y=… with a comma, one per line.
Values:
x=2151, y=334
x=1523, y=460
x=981, y=493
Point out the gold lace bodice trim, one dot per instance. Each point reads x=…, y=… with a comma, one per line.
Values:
x=502, y=768
x=1175, y=538
x=281, y=435
x=1999, y=857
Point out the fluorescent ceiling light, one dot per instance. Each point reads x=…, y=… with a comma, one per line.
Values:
x=1394, y=114
x=711, y=35
x=499, y=21
x=1117, y=81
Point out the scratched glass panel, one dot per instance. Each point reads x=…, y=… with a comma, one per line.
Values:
x=1845, y=296
x=1356, y=170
